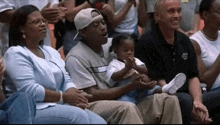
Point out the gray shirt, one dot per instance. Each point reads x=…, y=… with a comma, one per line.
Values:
x=88, y=68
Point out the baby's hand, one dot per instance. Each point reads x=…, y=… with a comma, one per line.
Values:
x=130, y=63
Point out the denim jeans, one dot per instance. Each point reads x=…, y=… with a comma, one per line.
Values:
x=215, y=89
x=210, y=99
x=19, y=108
x=3, y=117
x=66, y=114
x=69, y=42
x=135, y=96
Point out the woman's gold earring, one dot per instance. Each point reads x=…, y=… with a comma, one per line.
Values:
x=24, y=36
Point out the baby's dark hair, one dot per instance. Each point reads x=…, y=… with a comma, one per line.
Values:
x=118, y=39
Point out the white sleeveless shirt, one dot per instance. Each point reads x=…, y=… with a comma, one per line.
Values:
x=209, y=52
x=130, y=21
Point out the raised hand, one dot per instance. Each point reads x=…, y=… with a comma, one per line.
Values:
x=107, y=10
x=53, y=13
x=132, y=2
x=130, y=63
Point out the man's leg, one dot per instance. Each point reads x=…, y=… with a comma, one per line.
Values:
x=186, y=104
x=160, y=109
x=3, y=118
x=212, y=101
x=117, y=112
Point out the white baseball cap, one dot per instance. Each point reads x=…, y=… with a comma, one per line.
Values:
x=83, y=18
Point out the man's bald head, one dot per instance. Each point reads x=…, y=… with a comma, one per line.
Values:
x=168, y=13
x=158, y=5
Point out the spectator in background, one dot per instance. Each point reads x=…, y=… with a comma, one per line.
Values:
x=206, y=43
x=39, y=71
x=50, y=10
x=190, y=12
x=191, y=19
x=65, y=32
x=167, y=52
x=135, y=15
x=87, y=64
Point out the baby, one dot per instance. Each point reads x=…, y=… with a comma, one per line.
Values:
x=121, y=70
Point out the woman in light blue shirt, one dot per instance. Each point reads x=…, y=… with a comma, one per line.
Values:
x=39, y=71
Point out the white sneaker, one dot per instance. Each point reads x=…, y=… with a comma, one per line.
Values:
x=174, y=84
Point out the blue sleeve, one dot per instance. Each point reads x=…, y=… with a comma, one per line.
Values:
x=20, y=69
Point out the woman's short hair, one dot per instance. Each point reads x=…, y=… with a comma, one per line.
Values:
x=19, y=19
x=205, y=5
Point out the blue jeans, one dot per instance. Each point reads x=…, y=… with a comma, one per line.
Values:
x=69, y=42
x=210, y=99
x=3, y=117
x=135, y=96
x=66, y=114
x=215, y=89
x=19, y=108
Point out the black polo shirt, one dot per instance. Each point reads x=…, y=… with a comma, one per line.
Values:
x=164, y=61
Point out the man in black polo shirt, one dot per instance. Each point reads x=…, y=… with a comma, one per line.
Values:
x=167, y=52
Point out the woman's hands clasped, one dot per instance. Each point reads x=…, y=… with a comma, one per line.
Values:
x=76, y=97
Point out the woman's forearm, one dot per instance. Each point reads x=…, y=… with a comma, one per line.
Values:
x=51, y=96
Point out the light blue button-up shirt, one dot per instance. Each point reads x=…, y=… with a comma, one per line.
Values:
x=31, y=74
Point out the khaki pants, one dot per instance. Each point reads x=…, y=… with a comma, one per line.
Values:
x=117, y=112
x=155, y=109
x=161, y=109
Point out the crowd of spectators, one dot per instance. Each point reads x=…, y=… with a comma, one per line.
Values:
x=113, y=72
